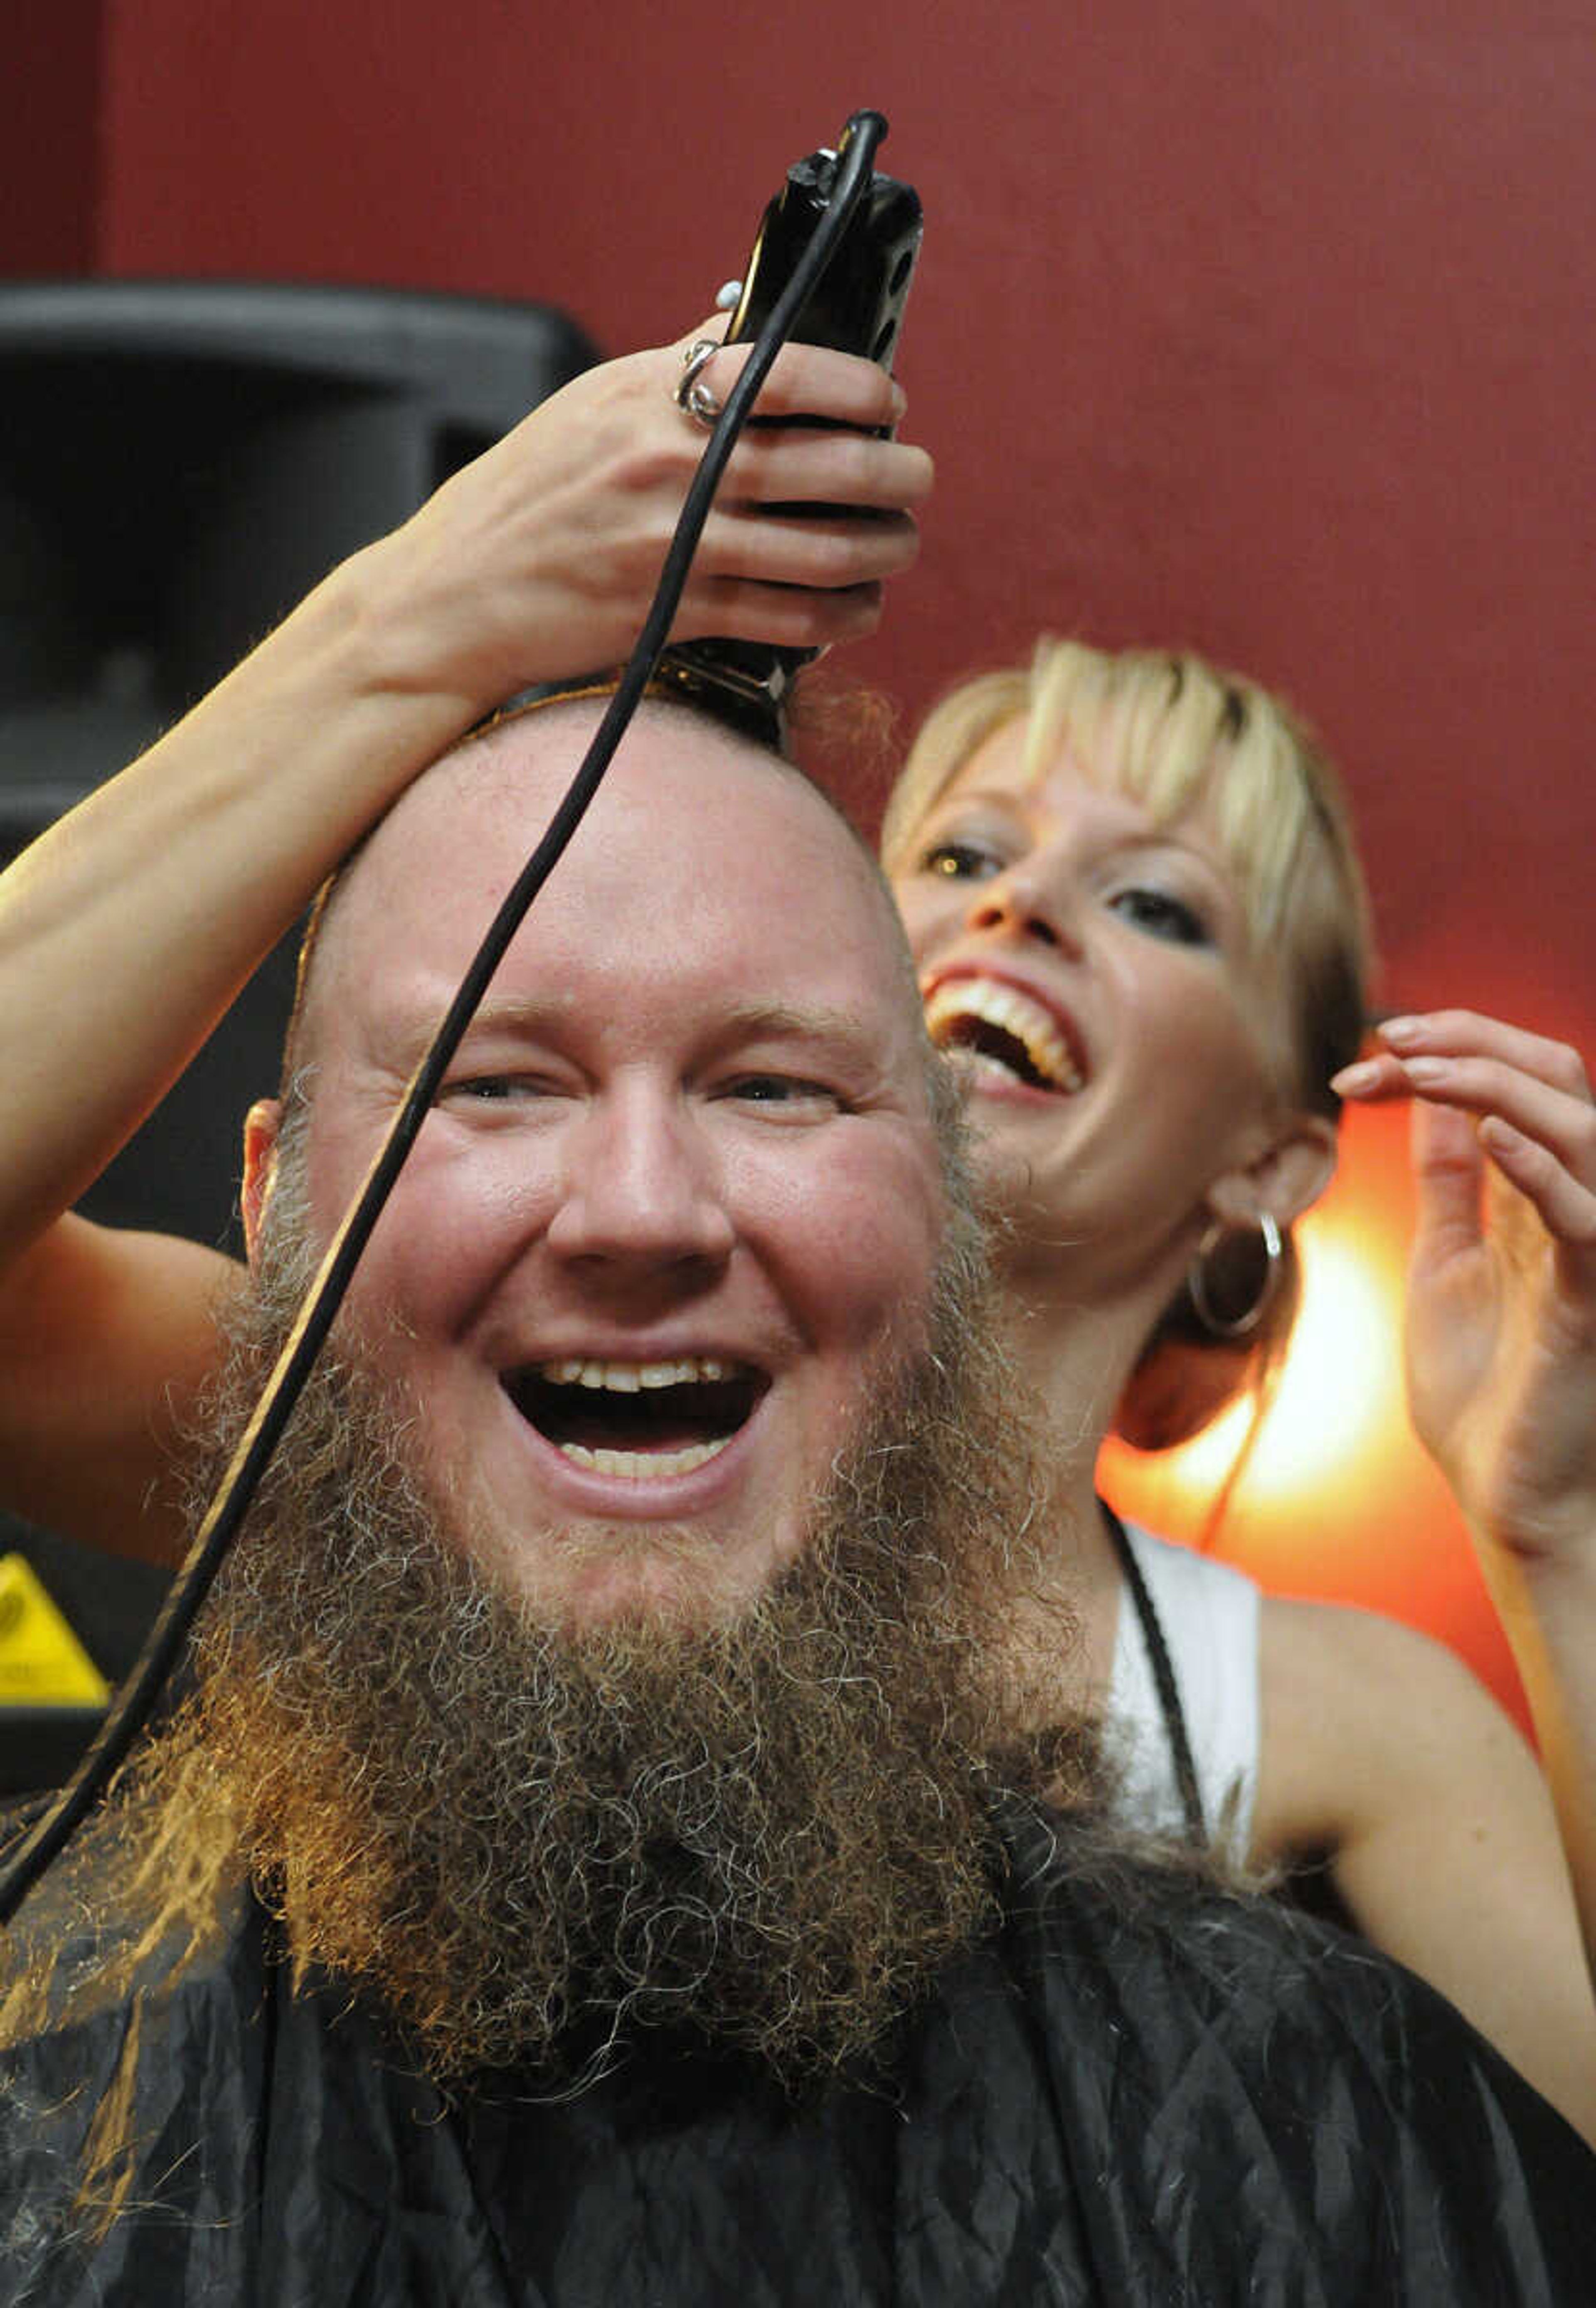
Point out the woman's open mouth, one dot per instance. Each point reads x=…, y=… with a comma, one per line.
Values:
x=1005, y=1030
x=638, y=1420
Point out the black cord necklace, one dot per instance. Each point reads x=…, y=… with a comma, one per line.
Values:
x=1164, y=1677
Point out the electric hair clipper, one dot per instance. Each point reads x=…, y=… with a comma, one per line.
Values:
x=856, y=306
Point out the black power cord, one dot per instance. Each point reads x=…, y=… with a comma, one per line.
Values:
x=226, y=1513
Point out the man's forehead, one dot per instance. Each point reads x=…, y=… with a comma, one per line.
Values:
x=696, y=837
x=668, y=790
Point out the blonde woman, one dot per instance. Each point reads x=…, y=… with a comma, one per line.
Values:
x=1137, y=914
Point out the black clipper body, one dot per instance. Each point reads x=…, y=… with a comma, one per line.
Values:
x=856, y=306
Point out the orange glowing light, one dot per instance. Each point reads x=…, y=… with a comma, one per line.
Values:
x=1340, y=1390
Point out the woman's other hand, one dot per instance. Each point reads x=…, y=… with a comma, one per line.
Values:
x=1501, y=1336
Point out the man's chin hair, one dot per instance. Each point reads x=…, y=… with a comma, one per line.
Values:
x=529, y=1843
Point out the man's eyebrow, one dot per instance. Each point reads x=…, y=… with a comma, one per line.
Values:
x=735, y=1018
x=789, y=1021
x=850, y=1030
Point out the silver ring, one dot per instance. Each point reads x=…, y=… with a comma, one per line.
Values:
x=692, y=393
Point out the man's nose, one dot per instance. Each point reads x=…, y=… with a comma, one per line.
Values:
x=1017, y=903
x=641, y=1189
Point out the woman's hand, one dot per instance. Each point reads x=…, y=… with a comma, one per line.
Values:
x=1501, y=1338
x=540, y=558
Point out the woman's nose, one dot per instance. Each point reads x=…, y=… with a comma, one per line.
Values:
x=1018, y=904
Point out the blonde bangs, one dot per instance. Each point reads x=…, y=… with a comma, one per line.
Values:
x=947, y=736
x=1171, y=731
x=1157, y=725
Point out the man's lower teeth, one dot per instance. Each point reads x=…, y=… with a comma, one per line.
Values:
x=643, y=1466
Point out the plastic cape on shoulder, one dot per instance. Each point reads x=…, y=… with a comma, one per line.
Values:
x=1133, y=2093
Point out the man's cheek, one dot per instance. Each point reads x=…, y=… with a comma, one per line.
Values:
x=880, y=1248
x=441, y=1235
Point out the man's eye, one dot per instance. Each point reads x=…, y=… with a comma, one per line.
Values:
x=960, y=861
x=1161, y=916
x=492, y=1090
x=778, y=1091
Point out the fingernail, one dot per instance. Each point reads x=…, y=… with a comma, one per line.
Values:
x=1352, y=1081
x=1501, y=1136
x=1425, y=1070
x=1401, y=1033
x=900, y=400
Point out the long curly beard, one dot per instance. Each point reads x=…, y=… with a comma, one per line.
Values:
x=528, y=1844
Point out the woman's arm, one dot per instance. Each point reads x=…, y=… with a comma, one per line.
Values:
x=1501, y=1348
x=106, y=1337
x=126, y=930
x=1381, y=1753
x=1447, y=1844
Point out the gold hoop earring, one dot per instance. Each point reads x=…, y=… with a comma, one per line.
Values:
x=1241, y=1325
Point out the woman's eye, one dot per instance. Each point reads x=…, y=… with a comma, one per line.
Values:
x=960, y=861
x=1161, y=916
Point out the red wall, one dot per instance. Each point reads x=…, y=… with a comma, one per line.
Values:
x=50, y=136
x=1270, y=329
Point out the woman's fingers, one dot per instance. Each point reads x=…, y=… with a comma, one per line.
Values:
x=807, y=548
x=1455, y=1034
x=1532, y=1088
x=1487, y=1087
x=1561, y=1122
x=1470, y=1034
x=1564, y=1203
x=804, y=381
x=793, y=616
x=1377, y=1076
x=1448, y=1168
x=804, y=580
x=805, y=463
x=838, y=457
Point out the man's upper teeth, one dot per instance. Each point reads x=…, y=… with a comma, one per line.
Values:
x=629, y=1378
x=1016, y=1012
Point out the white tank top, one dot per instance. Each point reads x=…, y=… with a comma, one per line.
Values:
x=1209, y=1614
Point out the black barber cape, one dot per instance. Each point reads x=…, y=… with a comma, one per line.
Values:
x=1120, y=2097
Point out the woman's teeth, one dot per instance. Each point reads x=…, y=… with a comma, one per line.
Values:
x=1005, y=1028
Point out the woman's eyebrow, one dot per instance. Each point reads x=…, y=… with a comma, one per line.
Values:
x=984, y=796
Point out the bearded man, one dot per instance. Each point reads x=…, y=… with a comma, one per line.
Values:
x=603, y=1856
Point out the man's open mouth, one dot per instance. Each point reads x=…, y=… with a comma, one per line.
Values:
x=640, y=1420
x=1003, y=1028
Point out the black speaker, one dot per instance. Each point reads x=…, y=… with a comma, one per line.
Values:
x=179, y=462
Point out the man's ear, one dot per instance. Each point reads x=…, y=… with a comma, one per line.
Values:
x=262, y=1124
x=1292, y=1172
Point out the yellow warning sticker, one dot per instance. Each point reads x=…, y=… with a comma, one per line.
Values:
x=42, y=1663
